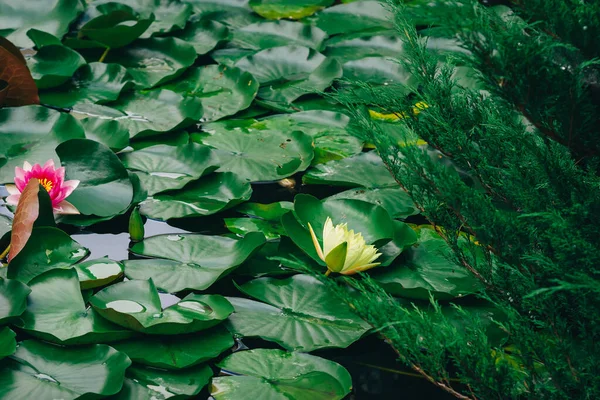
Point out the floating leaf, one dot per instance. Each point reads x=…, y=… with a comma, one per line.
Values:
x=207, y=196
x=8, y=343
x=108, y=132
x=155, y=61
x=136, y=305
x=222, y=90
x=56, y=312
x=242, y=226
x=165, y=167
x=53, y=65
x=354, y=17
x=288, y=72
x=176, y=352
x=276, y=374
x=62, y=373
x=104, y=186
x=190, y=261
x=364, y=44
x=47, y=248
x=203, y=34
x=170, y=14
x=300, y=314
x=270, y=212
x=13, y=299
x=264, y=35
x=17, y=87
x=378, y=71
x=98, y=273
x=395, y=200
x=293, y=9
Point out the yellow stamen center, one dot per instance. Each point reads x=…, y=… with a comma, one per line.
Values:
x=46, y=183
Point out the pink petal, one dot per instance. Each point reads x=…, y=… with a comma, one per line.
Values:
x=37, y=169
x=12, y=189
x=13, y=199
x=21, y=183
x=26, y=166
x=49, y=164
x=64, y=207
x=65, y=190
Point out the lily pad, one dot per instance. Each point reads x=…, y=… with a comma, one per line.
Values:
x=259, y=155
x=395, y=200
x=190, y=261
x=92, y=83
x=155, y=61
x=105, y=188
x=8, y=343
x=222, y=90
x=300, y=314
x=207, y=196
x=54, y=17
x=165, y=167
x=169, y=14
x=242, y=226
x=276, y=374
x=31, y=133
x=136, y=305
x=56, y=312
x=270, y=212
x=293, y=9
x=364, y=44
x=378, y=71
x=13, y=299
x=365, y=169
x=53, y=65
x=203, y=34
x=155, y=384
x=62, y=373
x=98, y=273
x=177, y=352
x=354, y=17
x=427, y=269
x=47, y=248
x=264, y=35
x=147, y=113
x=108, y=132
x=288, y=72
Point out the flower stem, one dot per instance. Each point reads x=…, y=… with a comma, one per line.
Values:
x=103, y=56
x=5, y=252
x=328, y=272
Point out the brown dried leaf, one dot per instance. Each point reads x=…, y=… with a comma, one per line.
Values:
x=21, y=88
x=27, y=213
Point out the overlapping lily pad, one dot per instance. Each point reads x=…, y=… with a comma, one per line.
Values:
x=203, y=34
x=177, y=352
x=62, y=373
x=207, y=196
x=288, y=72
x=395, y=200
x=354, y=17
x=264, y=35
x=98, y=273
x=190, y=261
x=53, y=65
x=136, y=305
x=13, y=299
x=56, y=312
x=300, y=314
x=359, y=45
x=163, y=167
x=8, y=343
x=293, y=9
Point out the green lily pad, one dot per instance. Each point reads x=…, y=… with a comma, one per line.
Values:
x=152, y=62
x=377, y=70
x=222, y=90
x=56, y=312
x=293, y=9
x=230, y=55
x=13, y=299
x=203, y=34
x=165, y=167
x=55, y=372
x=177, y=352
x=264, y=35
x=54, y=17
x=288, y=72
x=104, y=188
x=31, y=133
x=8, y=343
x=202, y=7
x=170, y=14
x=270, y=212
x=276, y=374
x=354, y=17
x=259, y=155
x=364, y=44
x=47, y=248
x=242, y=226
x=300, y=314
x=108, y=132
x=111, y=25
x=92, y=83
x=206, y=196
x=136, y=305
x=427, y=269
x=395, y=200
x=190, y=261
x=98, y=273
x=53, y=65
x=365, y=169
x=155, y=384
x=146, y=113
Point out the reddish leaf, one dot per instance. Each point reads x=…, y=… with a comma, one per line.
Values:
x=27, y=212
x=21, y=88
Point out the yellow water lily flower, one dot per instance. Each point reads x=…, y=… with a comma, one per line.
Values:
x=343, y=250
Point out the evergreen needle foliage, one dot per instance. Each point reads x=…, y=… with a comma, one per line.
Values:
x=523, y=186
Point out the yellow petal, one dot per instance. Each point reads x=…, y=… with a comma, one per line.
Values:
x=332, y=235
x=316, y=242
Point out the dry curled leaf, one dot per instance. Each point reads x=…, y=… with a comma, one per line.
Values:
x=20, y=87
x=27, y=213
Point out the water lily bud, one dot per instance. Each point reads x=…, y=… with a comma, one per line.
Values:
x=136, y=226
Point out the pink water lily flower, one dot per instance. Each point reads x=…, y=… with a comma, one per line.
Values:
x=51, y=178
